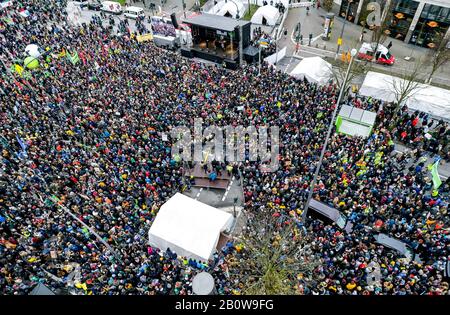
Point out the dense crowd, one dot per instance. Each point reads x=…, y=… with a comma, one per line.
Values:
x=85, y=139
x=162, y=28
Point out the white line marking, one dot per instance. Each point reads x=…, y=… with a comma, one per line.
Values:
x=228, y=189
x=198, y=194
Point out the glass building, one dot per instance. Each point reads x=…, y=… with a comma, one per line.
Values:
x=434, y=22
x=418, y=22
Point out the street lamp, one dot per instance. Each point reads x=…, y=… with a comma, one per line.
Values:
x=277, y=38
x=184, y=8
x=342, y=30
x=330, y=127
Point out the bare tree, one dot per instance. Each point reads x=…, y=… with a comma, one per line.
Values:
x=327, y=5
x=404, y=85
x=339, y=69
x=381, y=32
x=439, y=55
x=274, y=254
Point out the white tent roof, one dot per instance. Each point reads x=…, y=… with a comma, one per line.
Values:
x=269, y=12
x=188, y=227
x=314, y=69
x=222, y=7
x=425, y=98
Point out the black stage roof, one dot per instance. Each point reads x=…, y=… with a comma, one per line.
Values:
x=215, y=21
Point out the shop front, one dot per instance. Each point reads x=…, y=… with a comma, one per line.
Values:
x=433, y=23
x=352, y=10
x=402, y=17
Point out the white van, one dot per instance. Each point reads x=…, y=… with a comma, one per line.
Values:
x=134, y=12
x=111, y=7
x=81, y=3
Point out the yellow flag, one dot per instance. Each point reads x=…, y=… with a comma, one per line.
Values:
x=62, y=53
x=19, y=69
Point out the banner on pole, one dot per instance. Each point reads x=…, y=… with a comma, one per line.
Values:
x=435, y=176
x=74, y=58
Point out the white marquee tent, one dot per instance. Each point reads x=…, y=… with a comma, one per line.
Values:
x=230, y=7
x=314, y=69
x=188, y=227
x=425, y=98
x=267, y=15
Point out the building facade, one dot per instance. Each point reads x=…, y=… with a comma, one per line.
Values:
x=417, y=22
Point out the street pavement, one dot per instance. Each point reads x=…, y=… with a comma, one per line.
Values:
x=218, y=197
x=444, y=167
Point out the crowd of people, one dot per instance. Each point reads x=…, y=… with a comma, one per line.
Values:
x=162, y=28
x=82, y=152
x=258, y=35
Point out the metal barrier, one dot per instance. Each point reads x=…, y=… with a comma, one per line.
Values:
x=301, y=4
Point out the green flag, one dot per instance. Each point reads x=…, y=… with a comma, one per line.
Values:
x=435, y=176
x=74, y=59
x=378, y=156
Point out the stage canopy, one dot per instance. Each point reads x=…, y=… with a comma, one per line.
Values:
x=229, y=8
x=314, y=69
x=425, y=98
x=267, y=13
x=188, y=227
x=215, y=21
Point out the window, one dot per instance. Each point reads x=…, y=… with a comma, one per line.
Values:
x=406, y=6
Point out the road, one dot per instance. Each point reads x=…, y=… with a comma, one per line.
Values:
x=313, y=24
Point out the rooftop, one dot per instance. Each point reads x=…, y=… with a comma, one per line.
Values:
x=215, y=21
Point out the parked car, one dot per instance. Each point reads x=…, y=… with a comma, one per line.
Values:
x=134, y=12
x=94, y=5
x=381, y=56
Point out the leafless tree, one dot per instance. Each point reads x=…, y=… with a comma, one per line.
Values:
x=274, y=254
x=381, y=32
x=439, y=55
x=405, y=84
x=339, y=69
x=327, y=5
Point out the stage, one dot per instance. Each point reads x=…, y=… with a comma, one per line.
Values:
x=216, y=38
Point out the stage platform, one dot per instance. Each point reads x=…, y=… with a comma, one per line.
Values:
x=217, y=38
x=202, y=179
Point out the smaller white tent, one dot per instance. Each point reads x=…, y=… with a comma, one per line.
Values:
x=314, y=69
x=425, y=98
x=232, y=8
x=188, y=227
x=267, y=15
